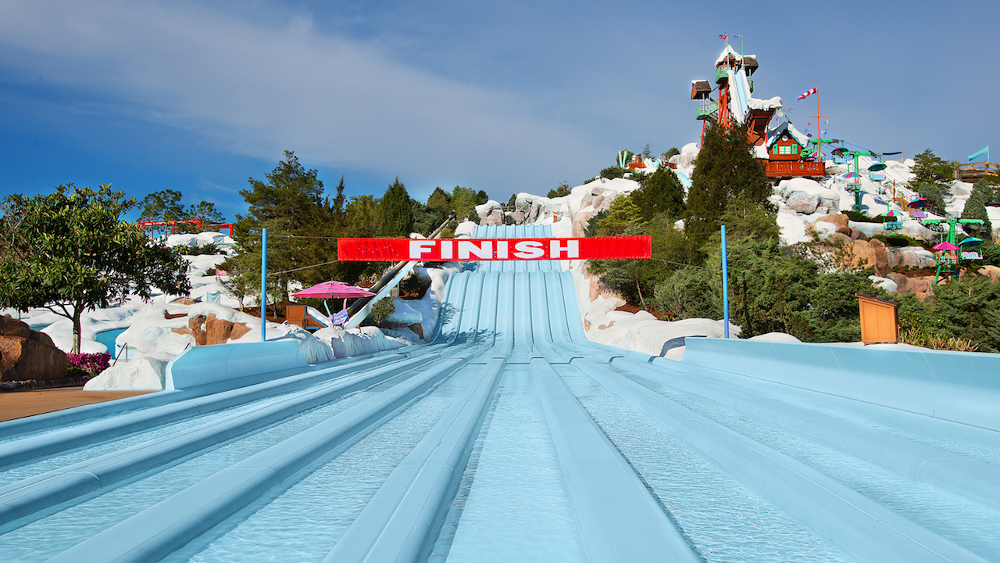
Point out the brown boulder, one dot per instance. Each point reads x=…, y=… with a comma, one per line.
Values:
x=902, y=282
x=992, y=271
x=857, y=234
x=838, y=219
x=212, y=330
x=28, y=354
x=12, y=327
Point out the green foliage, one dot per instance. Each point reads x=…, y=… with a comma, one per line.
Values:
x=482, y=197
x=673, y=151
x=724, y=168
x=897, y=240
x=975, y=207
x=859, y=217
x=290, y=204
x=934, y=196
x=613, y=172
x=561, y=190
x=463, y=204
x=397, y=214
x=991, y=253
x=636, y=279
x=691, y=293
x=933, y=170
x=659, y=192
x=201, y=249
x=647, y=152
x=622, y=214
x=425, y=219
x=71, y=251
x=967, y=309
x=166, y=205
x=382, y=309
x=745, y=217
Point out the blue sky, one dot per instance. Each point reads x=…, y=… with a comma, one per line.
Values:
x=504, y=96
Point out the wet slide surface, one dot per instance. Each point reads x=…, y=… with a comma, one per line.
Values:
x=509, y=437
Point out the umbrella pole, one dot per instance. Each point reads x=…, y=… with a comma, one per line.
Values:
x=327, y=308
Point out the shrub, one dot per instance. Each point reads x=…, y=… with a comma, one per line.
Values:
x=208, y=248
x=92, y=364
x=613, y=172
x=859, y=217
x=382, y=309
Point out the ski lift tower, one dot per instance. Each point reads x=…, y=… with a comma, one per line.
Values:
x=946, y=262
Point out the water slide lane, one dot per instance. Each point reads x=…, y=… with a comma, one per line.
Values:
x=401, y=522
x=158, y=530
x=959, y=473
x=865, y=529
x=619, y=520
x=34, y=493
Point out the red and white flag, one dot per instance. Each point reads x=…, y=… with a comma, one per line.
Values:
x=807, y=93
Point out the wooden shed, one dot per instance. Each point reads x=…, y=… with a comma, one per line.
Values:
x=700, y=89
x=879, y=319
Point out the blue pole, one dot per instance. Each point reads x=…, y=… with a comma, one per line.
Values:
x=725, y=284
x=263, y=283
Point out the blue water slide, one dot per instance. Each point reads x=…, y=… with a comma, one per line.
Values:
x=510, y=436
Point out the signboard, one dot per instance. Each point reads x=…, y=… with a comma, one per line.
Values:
x=448, y=250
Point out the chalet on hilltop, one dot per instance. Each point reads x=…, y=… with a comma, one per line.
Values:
x=730, y=102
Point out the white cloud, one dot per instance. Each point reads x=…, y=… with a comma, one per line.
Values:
x=256, y=88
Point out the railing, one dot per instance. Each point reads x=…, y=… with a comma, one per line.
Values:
x=705, y=110
x=793, y=169
x=124, y=350
x=977, y=170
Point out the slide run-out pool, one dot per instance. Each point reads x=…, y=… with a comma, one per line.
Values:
x=510, y=437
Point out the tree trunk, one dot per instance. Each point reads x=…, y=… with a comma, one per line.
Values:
x=641, y=300
x=77, y=313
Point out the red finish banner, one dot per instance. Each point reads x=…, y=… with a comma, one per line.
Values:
x=448, y=250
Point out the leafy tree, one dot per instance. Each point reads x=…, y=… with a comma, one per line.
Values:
x=724, y=168
x=482, y=197
x=693, y=292
x=206, y=211
x=512, y=201
x=287, y=204
x=672, y=152
x=932, y=169
x=164, y=205
x=975, y=207
x=647, y=152
x=463, y=204
x=425, y=219
x=397, y=213
x=660, y=192
x=70, y=251
x=622, y=214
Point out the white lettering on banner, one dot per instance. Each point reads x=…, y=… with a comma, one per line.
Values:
x=572, y=249
x=446, y=250
x=502, y=253
x=528, y=249
x=467, y=248
x=419, y=247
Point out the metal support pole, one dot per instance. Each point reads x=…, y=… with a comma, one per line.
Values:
x=263, y=284
x=725, y=285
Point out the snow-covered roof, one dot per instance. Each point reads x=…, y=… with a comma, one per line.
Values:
x=726, y=53
x=756, y=103
x=780, y=124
